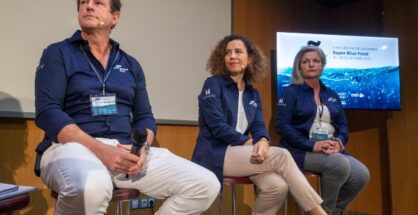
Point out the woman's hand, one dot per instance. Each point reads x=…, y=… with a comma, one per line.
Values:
x=249, y=142
x=333, y=147
x=260, y=150
x=327, y=146
x=320, y=146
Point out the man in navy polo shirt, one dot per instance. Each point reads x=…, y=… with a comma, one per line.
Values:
x=89, y=95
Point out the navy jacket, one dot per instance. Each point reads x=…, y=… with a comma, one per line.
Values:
x=295, y=114
x=65, y=80
x=218, y=107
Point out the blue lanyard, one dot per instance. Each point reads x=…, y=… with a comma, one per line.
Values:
x=321, y=111
x=99, y=77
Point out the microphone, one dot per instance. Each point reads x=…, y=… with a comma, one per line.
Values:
x=100, y=23
x=139, y=139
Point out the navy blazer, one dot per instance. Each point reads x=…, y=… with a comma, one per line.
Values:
x=295, y=114
x=218, y=107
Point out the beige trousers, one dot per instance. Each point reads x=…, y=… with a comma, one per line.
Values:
x=274, y=177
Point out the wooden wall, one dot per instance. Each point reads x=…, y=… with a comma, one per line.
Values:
x=379, y=139
x=401, y=20
x=260, y=20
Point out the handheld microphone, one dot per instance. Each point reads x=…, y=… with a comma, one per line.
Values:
x=243, y=67
x=100, y=23
x=139, y=139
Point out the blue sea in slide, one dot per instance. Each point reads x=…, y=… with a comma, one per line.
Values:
x=371, y=88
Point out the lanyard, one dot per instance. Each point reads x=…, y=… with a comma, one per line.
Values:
x=107, y=73
x=321, y=111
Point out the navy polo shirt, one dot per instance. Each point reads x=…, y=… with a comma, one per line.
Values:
x=65, y=80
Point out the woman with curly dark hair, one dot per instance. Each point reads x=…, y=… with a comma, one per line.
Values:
x=233, y=139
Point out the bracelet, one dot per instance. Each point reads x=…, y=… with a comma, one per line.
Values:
x=265, y=140
x=339, y=142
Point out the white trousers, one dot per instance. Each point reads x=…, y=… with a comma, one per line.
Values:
x=85, y=185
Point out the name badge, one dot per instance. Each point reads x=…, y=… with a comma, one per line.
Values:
x=320, y=133
x=103, y=104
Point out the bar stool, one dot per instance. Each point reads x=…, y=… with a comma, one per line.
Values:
x=11, y=204
x=312, y=175
x=119, y=196
x=233, y=181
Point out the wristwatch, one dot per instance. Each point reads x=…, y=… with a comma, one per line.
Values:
x=147, y=147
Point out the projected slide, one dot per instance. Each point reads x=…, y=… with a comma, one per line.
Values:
x=364, y=71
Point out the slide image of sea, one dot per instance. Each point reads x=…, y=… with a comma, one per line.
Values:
x=376, y=88
x=363, y=71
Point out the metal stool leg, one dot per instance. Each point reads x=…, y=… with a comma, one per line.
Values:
x=128, y=208
x=285, y=205
x=319, y=186
x=119, y=207
x=220, y=204
x=233, y=199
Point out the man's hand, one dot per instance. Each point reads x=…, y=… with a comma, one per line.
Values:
x=140, y=165
x=117, y=159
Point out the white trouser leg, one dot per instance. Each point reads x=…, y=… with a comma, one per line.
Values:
x=83, y=183
x=188, y=187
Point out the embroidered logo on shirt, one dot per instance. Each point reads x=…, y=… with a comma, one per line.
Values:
x=253, y=103
x=120, y=68
x=331, y=99
x=208, y=94
x=280, y=102
x=40, y=66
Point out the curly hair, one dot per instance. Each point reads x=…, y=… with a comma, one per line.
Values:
x=255, y=70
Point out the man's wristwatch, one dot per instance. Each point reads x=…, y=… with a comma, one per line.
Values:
x=147, y=147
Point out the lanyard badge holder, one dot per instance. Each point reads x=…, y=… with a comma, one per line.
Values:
x=320, y=132
x=102, y=104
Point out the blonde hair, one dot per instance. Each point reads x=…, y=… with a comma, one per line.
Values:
x=296, y=75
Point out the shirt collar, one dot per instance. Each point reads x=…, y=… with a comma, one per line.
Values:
x=76, y=38
x=229, y=81
x=306, y=87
